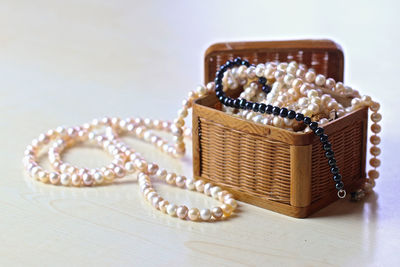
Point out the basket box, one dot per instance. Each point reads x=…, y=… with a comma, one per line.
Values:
x=271, y=167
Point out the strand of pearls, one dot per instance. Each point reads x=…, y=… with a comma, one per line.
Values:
x=125, y=161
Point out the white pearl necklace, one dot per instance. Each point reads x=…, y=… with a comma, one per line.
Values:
x=127, y=161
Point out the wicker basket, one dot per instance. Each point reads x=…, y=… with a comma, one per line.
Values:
x=271, y=167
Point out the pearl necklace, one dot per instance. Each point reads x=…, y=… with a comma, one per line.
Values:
x=125, y=161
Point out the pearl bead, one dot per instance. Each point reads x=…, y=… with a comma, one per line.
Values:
x=119, y=171
x=182, y=212
x=194, y=214
x=356, y=102
x=207, y=189
x=221, y=195
x=339, y=87
x=375, y=106
x=227, y=209
x=303, y=101
x=150, y=195
x=170, y=178
x=277, y=122
x=109, y=175
x=217, y=212
x=376, y=117
x=232, y=202
x=152, y=168
x=312, y=93
x=373, y=174
x=314, y=108
x=163, y=205
x=161, y=174
x=332, y=105
x=155, y=201
x=310, y=76
x=98, y=177
x=190, y=184
x=171, y=209
x=199, y=184
x=65, y=179
x=374, y=162
x=205, y=214
x=180, y=181
x=140, y=164
x=43, y=176
x=320, y=80
x=259, y=71
x=87, y=179
x=76, y=179
x=330, y=83
x=375, y=151
x=214, y=191
x=130, y=167
x=279, y=75
x=375, y=140
x=375, y=128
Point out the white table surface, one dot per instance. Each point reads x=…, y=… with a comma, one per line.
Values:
x=66, y=62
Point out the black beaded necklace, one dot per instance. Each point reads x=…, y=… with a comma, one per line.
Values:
x=262, y=108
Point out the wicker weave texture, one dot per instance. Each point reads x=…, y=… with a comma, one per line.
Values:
x=247, y=162
x=348, y=146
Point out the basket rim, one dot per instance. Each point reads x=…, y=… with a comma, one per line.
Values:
x=329, y=128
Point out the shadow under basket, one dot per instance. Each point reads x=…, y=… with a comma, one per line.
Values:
x=270, y=167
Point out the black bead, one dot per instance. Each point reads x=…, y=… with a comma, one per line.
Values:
x=226, y=101
x=319, y=131
x=262, y=108
x=266, y=89
x=230, y=102
x=245, y=63
x=284, y=112
x=249, y=105
x=219, y=74
x=313, y=125
x=307, y=120
x=229, y=64
x=332, y=162
x=221, y=98
x=218, y=87
x=276, y=110
x=219, y=93
x=327, y=146
x=337, y=178
x=218, y=81
x=238, y=61
x=323, y=138
x=236, y=103
x=329, y=154
x=223, y=68
x=299, y=117
x=262, y=80
x=256, y=107
x=339, y=185
x=291, y=114
x=243, y=103
x=269, y=109
x=335, y=170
